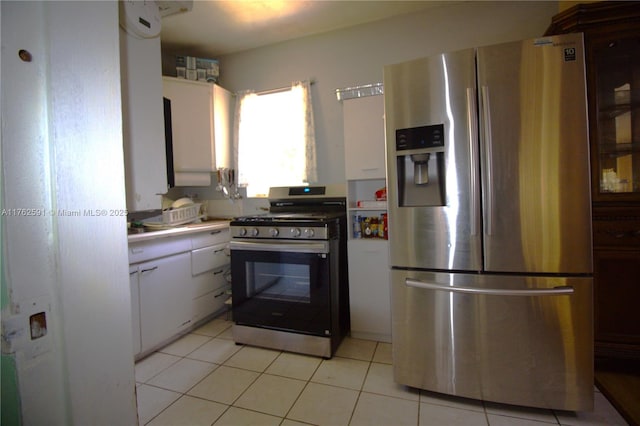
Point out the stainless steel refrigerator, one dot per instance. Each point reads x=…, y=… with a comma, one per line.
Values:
x=490, y=223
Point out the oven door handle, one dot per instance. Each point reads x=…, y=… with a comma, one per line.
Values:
x=288, y=247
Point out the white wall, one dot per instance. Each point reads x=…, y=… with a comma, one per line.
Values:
x=62, y=161
x=357, y=55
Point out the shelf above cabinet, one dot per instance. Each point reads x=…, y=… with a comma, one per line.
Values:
x=614, y=150
x=367, y=205
x=621, y=102
x=363, y=209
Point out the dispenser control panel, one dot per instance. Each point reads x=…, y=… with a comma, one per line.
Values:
x=420, y=137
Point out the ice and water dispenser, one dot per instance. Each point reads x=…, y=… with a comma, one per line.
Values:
x=421, y=166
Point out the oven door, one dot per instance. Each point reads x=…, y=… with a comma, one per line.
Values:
x=282, y=285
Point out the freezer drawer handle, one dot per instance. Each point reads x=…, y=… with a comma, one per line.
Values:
x=555, y=291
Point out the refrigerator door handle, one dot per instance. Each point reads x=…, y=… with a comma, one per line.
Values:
x=555, y=291
x=472, y=120
x=486, y=121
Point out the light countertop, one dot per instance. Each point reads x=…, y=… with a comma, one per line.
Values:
x=191, y=228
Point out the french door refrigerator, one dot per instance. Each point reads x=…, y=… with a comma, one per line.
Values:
x=490, y=223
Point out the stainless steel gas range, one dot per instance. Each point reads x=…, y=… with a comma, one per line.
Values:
x=289, y=272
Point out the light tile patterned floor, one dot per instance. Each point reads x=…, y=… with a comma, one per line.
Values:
x=204, y=378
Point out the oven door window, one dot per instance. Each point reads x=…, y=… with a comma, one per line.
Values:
x=279, y=281
x=285, y=291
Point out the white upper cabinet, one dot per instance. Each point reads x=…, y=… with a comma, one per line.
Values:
x=200, y=122
x=222, y=124
x=364, y=137
x=142, y=122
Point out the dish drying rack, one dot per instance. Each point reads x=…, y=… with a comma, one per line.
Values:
x=181, y=215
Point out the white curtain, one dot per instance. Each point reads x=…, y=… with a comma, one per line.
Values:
x=237, y=117
x=264, y=124
x=310, y=132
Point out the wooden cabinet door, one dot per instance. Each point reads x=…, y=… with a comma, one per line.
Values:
x=615, y=118
x=617, y=292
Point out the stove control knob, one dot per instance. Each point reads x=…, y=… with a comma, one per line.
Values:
x=309, y=233
x=254, y=232
x=242, y=232
x=295, y=232
x=274, y=232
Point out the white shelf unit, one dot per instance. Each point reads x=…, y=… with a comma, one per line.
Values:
x=358, y=190
x=369, y=277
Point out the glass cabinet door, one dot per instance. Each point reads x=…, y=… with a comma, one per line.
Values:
x=617, y=162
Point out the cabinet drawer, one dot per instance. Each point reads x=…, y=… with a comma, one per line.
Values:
x=616, y=233
x=208, y=258
x=211, y=281
x=211, y=302
x=210, y=238
x=154, y=249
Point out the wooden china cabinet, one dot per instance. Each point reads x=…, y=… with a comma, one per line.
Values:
x=612, y=51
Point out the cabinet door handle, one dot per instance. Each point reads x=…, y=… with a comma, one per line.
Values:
x=218, y=251
x=218, y=272
x=620, y=234
x=215, y=232
x=135, y=250
x=218, y=295
x=133, y=273
x=148, y=269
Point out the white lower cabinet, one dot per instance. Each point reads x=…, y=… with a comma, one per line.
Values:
x=175, y=283
x=165, y=303
x=369, y=291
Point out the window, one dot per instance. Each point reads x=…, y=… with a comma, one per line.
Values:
x=275, y=142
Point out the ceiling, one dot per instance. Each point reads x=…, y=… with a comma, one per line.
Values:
x=220, y=27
